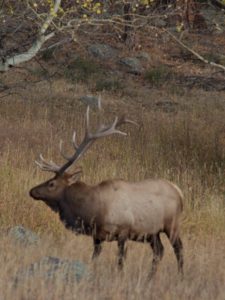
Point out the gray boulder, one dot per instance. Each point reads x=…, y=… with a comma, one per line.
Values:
x=51, y=269
x=23, y=235
x=102, y=51
x=144, y=57
x=132, y=65
x=89, y=100
x=159, y=22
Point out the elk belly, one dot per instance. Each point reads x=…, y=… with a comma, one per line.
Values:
x=134, y=218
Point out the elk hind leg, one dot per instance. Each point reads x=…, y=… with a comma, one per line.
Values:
x=158, y=251
x=97, y=248
x=177, y=248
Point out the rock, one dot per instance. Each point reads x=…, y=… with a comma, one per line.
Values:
x=214, y=19
x=92, y=101
x=51, y=268
x=23, y=235
x=102, y=51
x=132, y=65
x=143, y=56
x=159, y=22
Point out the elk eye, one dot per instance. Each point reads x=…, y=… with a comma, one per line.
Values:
x=51, y=184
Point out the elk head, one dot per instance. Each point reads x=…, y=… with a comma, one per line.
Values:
x=53, y=190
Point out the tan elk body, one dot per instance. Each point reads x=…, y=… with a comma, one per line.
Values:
x=114, y=209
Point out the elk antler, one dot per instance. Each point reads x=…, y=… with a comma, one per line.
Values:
x=88, y=140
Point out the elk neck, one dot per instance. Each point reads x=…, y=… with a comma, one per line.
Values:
x=78, y=208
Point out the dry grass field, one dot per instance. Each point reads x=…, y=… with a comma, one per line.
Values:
x=185, y=145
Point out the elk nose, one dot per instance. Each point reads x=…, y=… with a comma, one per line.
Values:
x=31, y=192
x=34, y=194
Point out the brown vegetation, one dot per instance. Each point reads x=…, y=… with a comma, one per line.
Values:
x=185, y=144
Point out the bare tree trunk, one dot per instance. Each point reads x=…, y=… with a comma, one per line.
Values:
x=7, y=62
x=188, y=11
x=127, y=18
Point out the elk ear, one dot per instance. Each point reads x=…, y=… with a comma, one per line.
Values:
x=73, y=178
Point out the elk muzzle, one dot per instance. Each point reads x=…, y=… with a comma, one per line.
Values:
x=34, y=193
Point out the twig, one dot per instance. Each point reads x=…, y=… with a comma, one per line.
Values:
x=196, y=54
x=57, y=44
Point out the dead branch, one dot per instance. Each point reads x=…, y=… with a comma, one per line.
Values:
x=8, y=62
x=196, y=54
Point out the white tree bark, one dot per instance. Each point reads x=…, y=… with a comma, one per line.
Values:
x=8, y=62
x=196, y=54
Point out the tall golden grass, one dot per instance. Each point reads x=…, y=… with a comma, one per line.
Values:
x=186, y=146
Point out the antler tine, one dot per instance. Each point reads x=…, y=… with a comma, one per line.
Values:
x=108, y=130
x=87, y=128
x=74, y=140
x=47, y=166
x=111, y=129
x=74, y=145
x=88, y=140
x=61, y=151
x=124, y=120
x=99, y=103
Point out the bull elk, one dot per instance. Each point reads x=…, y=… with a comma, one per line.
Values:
x=113, y=210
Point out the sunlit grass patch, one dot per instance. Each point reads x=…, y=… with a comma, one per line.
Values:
x=186, y=146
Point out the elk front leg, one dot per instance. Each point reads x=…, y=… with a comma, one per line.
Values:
x=121, y=253
x=97, y=248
